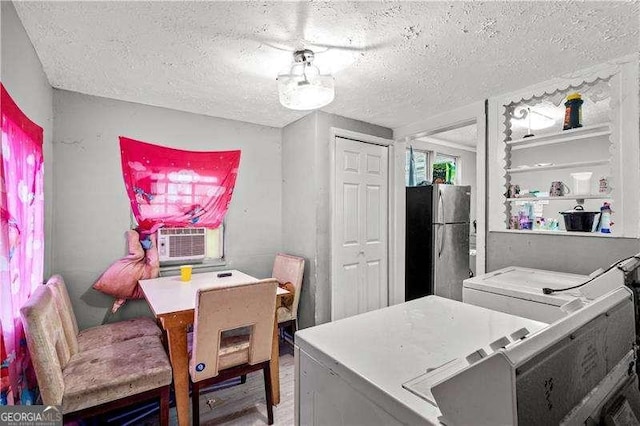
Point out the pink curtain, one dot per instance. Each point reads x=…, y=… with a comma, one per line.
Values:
x=173, y=187
x=21, y=242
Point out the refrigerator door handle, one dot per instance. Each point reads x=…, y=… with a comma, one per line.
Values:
x=441, y=233
x=441, y=219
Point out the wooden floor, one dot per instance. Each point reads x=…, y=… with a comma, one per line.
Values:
x=244, y=404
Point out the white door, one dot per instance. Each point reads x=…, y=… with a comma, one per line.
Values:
x=360, y=248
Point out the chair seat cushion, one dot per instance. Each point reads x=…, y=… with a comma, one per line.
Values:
x=284, y=314
x=234, y=350
x=115, y=371
x=106, y=334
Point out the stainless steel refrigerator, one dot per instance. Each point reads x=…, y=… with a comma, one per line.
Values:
x=437, y=240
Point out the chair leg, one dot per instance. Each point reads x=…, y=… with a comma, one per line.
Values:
x=292, y=326
x=195, y=403
x=243, y=379
x=164, y=406
x=267, y=387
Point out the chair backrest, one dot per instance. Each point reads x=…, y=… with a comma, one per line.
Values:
x=67, y=316
x=220, y=309
x=47, y=343
x=290, y=269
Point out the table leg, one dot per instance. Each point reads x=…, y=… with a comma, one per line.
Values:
x=178, y=354
x=274, y=364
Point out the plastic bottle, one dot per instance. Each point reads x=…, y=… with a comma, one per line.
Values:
x=573, y=111
x=605, y=218
x=531, y=214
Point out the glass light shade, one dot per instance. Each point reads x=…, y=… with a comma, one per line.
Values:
x=304, y=88
x=541, y=116
x=537, y=122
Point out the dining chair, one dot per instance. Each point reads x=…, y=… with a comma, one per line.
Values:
x=289, y=269
x=96, y=381
x=216, y=357
x=100, y=335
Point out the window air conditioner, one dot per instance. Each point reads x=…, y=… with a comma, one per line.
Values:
x=181, y=244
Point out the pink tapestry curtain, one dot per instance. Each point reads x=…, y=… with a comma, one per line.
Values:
x=21, y=243
x=173, y=187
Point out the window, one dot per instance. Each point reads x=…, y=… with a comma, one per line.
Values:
x=445, y=168
x=215, y=243
x=175, y=188
x=421, y=166
x=169, y=198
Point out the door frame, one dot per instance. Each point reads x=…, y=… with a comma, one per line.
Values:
x=474, y=113
x=334, y=133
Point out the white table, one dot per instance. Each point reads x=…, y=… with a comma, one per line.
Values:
x=173, y=303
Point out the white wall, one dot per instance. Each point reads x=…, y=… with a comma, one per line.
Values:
x=306, y=205
x=563, y=253
x=23, y=77
x=92, y=209
x=299, y=206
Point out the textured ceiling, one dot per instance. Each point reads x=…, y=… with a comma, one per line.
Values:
x=466, y=135
x=399, y=62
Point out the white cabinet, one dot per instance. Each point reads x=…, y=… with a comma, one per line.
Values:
x=528, y=148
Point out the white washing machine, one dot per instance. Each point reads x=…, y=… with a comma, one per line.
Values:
x=434, y=361
x=352, y=372
x=518, y=291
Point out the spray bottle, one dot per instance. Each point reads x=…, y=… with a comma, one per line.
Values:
x=605, y=218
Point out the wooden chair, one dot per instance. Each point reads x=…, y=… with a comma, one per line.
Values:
x=94, y=381
x=214, y=357
x=289, y=269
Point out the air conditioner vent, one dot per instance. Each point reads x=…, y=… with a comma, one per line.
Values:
x=182, y=231
x=181, y=244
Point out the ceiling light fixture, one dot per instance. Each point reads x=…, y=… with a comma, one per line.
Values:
x=534, y=119
x=302, y=87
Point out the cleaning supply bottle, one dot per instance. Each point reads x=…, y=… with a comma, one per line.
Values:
x=605, y=218
x=573, y=112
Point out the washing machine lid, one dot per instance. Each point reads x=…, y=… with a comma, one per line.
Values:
x=527, y=284
x=377, y=351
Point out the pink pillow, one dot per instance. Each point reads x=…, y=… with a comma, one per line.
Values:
x=120, y=280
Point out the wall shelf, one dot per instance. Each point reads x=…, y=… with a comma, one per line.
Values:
x=576, y=164
x=559, y=233
x=607, y=146
x=566, y=197
x=565, y=136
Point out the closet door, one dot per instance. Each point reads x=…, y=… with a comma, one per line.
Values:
x=360, y=247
